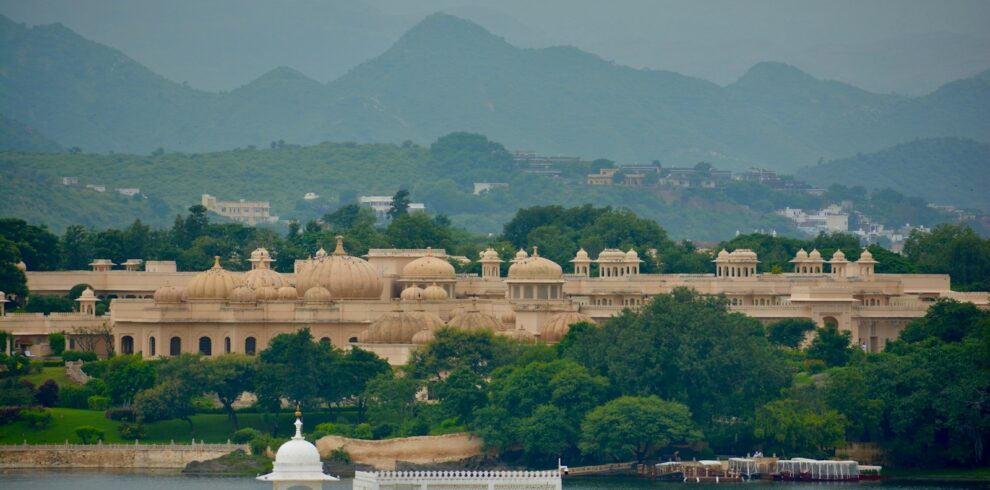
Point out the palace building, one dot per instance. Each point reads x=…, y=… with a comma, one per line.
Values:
x=393, y=300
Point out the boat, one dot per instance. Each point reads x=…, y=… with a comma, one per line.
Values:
x=745, y=468
x=869, y=473
x=804, y=469
x=669, y=471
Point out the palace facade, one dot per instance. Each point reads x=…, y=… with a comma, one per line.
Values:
x=393, y=300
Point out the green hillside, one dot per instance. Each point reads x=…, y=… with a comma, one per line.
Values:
x=440, y=176
x=17, y=136
x=942, y=170
x=447, y=74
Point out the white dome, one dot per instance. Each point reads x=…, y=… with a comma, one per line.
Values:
x=815, y=255
x=298, y=452
x=297, y=460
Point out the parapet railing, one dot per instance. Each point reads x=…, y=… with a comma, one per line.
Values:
x=460, y=476
x=193, y=446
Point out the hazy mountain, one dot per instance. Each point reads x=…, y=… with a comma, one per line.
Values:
x=942, y=170
x=447, y=74
x=16, y=136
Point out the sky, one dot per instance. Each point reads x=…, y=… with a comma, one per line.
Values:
x=889, y=46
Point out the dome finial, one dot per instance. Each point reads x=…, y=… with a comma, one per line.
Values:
x=429, y=251
x=536, y=251
x=216, y=262
x=298, y=423
x=340, y=246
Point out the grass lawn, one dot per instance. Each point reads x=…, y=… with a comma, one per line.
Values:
x=56, y=373
x=206, y=427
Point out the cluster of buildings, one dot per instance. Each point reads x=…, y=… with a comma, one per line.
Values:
x=242, y=211
x=382, y=204
x=835, y=218
x=392, y=300
x=124, y=191
x=699, y=176
x=830, y=219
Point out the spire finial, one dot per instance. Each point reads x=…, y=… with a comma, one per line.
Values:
x=536, y=251
x=216, y=262
x=298, y=424
x=429, y=251
x=340, y=246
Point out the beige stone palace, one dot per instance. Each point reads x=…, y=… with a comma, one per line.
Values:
x=393, y=300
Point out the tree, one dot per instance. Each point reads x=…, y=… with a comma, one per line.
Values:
x=48, y=303
x=400, y=204
x=56, y=342
x=12, y=280
x=196, y=223
x=454, y=348
x=546, y=434
x=126, y=376
x=47, y=395
x=229, y=376
x=795, y=429
x=293, y=367
x=947, y=320
x=790, y=332
x=460, y=393
x=831, y=346
x=635, y=427
x=167, y=400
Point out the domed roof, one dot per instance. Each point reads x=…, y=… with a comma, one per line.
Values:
x=263, y=276
x=214, y=283
x=632, y=255
x=287, y=293
x=474, y=319
x=612, y=255
x=521, y=254
x=801, y=254
x=266, y=293
x=456, y=311
x=490, y=255
x=815, y=255
x=412, y=293
x=297, y=460
x=558, y=325
x=866, y=257
x=509, y=317
x=744, y=253
x=315, y=295
x=87, y=294
x=398, y=327
x=429, y=267
x=423, y=337
x=168, y=294
x=839, y=256
x=242, y=294
x=434, y=293
x=723, y=254
x=21, y=266
x=344, y=276
x=581, y=256
x=535, y=268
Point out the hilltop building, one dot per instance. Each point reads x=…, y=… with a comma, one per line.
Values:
x=381, y=204
x=393, y=300
x=247, y=212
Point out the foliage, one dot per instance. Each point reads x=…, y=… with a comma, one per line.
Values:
x=400, y=204
x=97, y=402
x=45, y=303
x=167, y=400
x=126, y=375
x=14, y=365
x=243, y=436
x=792, y=428
x=831, y=345
x=120, y=413
x=15, y=393
x=229, y=376
x=293, y=367
x=89, y=435
x=789, y=332
x=636, y=427
x=37, y=419
x=56, y=341
x=952, y=249
x=130, y=431
x=72, y=355
x=12, y=280
x=47, y=395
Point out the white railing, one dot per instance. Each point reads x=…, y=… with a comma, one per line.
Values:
x=481, y=480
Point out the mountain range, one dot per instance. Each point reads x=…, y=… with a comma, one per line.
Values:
x=447, y=74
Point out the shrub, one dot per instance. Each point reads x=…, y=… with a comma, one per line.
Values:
x=97, y=402
x=363, y=431
x=15, y=393
x=89, y=434
x=382, y=431
x=130, y=431
x=9, y=414
x=96, y=369
x=52, y=363
x=37, y=419
x=120, y=413
x=258, y=445
x=244, y=436
x=44, y=303
x=340, y=454
x=56, y=342
x=47, y=395
x=75, y=355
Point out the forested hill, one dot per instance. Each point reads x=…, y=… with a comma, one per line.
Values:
x=17, y=136
x=942, y=170
x=448, y=74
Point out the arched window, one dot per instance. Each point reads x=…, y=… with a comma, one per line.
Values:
x=325, y=340
x=151, y=346
x=250, y=345
x=205, y=346
x=174, y=346
x=352, y=340
x=226, y=345
x=127, y=344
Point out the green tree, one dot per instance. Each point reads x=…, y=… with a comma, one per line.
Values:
x=126, y=376
x=56, y=342
x=796, y=430
x=790, y=332
x=46, y=303
x=400, y=204
x=165, y=401
x=229, y=376
x=831, y=346
x=635, y=427
x=12, y=280
x=293, y=367
x=460, y=393
x=89, y=434
x=546, y=434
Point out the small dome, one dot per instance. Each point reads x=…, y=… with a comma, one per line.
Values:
x=558, y=325
x=315, y=296
x=287, y=293
x=815, y=255
x=581, y=255
x=612, y=255
x=429, y=267
x=87, y=294
x=434, y=293
x=412, y=293
x=242, y=294
x=839, y=256
x=398, y=327
x=168, y=294
x=21, y=266
x=632, y=254
x=744, y=254
x=344, y=276
x=266, y=293
x=521, y=254
x=297, y=461
x=214, y=283
x=801, y=254
x=456, y=311
x=423, y=337
x=723, y=254
x=474, y=319
x=535, y=267
x=490, y=255
x=866, y=257
x=263, y=276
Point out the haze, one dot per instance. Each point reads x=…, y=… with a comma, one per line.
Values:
x=908, y=47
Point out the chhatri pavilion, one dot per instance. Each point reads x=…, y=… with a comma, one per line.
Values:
x=393, y=300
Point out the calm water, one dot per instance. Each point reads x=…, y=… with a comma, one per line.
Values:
x=121, y=481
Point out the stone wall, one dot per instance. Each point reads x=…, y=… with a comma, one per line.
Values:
x=154, y=456
x=420, y=450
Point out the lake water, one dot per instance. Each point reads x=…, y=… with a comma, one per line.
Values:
x=120, y=481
